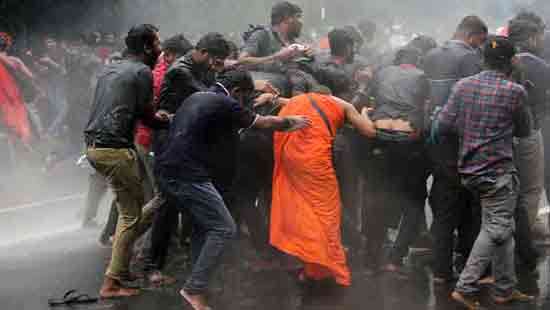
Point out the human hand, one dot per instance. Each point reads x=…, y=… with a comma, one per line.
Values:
x=297, y=123
x=265, y=87
x=264, y=99
x=288, y=53
x=309, y=52
x=364, y=75
x=164, y=116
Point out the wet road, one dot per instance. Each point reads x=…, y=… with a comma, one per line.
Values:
x=32, y=272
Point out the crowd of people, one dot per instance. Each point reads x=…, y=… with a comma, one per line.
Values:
x=317, y=149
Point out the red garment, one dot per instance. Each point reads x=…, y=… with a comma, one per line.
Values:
x=144, y=133
x=13, y=112
x=103, y=53
x=324, y=43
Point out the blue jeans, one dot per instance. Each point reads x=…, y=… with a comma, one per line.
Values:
x=495, y=243
x=213, y=227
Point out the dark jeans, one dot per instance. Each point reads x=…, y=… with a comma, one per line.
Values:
x=454, y=209
x=213, y=227
x=393, y=196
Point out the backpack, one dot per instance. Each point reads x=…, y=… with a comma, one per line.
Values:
x=253, y=29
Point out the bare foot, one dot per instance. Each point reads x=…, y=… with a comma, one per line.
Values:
x=486, y=281
x=112, y=288
x=198, y=302
x=118, y=292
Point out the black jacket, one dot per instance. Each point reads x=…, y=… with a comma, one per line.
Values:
x=447, y=64
x=124, y=94
x=535, y=70
x=183, y=79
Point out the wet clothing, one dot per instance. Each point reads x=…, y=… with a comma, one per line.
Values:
x=201, y=151
x=203, y=138
x=306, y=207
x=401, y=93
x=124, y=94
x=213, y=226
x=486, y=110
x=183, y=78
x=120, y=168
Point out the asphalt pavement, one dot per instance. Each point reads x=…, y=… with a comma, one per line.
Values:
x=34, y=271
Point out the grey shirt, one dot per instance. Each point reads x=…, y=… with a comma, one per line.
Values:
x=124, y=94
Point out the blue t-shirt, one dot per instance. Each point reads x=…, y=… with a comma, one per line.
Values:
x=204, y=136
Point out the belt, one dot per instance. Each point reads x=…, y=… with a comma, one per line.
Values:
x=91, y=143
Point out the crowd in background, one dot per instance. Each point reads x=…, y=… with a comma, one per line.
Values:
x=364, y=117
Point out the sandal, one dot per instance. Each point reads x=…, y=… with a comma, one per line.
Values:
x=71, y=298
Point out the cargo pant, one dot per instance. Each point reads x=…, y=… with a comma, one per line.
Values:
x=120, y=167
x=495, y=243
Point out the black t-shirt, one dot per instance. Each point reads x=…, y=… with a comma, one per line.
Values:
x=204, y=137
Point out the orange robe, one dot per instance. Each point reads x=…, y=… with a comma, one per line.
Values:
x=13, y=112
x=306, y=208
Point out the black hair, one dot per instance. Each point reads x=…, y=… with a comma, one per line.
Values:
x=141, y=37
x=407, y=55
x=339, y=39
x=236, y=78
x=283, y=10
x=337, y=80
x=521, y=30
x=472, y=25
x=498, y=52
x=355, y=34
x=177, y=45
x=530, y=16
x=423, y=43
x=215, y=44
x=5, y=41
x=233, y=49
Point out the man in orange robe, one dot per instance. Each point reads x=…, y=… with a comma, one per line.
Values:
x=306, y=212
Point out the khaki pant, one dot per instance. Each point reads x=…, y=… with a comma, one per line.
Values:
x=120, y=168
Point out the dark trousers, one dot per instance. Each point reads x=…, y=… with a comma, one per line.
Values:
x=454, y=209
x=526, y=251
x=213, y=227
x=345, y=165
x=165, y=224
x=396, y=177
x=251, y=187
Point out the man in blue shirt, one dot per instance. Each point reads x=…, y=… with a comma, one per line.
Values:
x=199, y=159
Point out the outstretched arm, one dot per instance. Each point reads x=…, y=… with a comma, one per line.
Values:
x=361, y=122
x=287, y=123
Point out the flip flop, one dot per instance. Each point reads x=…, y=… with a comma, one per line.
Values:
x=71, y=298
